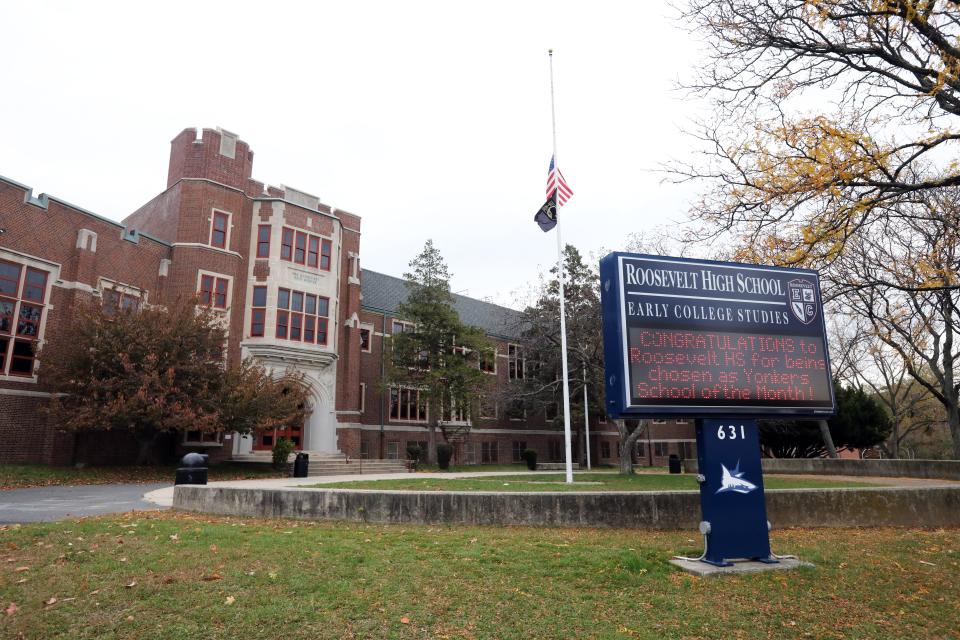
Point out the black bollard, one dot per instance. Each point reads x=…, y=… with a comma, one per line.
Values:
x=192, y=469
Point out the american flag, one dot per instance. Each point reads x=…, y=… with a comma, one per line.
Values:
x=556, y=181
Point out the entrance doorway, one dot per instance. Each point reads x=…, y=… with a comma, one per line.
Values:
x=263, y=440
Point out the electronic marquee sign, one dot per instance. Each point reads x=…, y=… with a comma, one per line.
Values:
x=699, y=337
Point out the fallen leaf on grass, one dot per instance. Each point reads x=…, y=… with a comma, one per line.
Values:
x=50, y=602
x=230, y=600
x=131, y=584
x=21, y=580
x=404, y=620
x=212, y=577
x=12, y=609
x=20, y=569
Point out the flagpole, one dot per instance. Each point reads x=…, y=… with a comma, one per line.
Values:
x=563, y=319
x=586, y=414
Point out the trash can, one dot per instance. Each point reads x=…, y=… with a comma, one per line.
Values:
x=301, y=464
x=192, y=469
x=674, y=463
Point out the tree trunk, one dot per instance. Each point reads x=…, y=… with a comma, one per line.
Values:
x=628, y=441
x=827, y=438
x=432, y=444
x=953, y=420
x=146, y=446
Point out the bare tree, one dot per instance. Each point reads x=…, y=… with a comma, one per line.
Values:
x=791, y=186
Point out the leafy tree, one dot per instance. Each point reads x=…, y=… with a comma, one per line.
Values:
x=860, y=423
x=159, y=370
x=541, y=389
x=437, y=354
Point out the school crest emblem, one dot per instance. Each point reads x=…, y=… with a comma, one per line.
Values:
x=802, y=300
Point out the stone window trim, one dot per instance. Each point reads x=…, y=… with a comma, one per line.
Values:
x=368, y=348
x=25, y=291
x=221, y=290
x=221, y=227
x=264, y=232
x=52, y=269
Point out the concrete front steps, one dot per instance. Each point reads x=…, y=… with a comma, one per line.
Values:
x=329, y=464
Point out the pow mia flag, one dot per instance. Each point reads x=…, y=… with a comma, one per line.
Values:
x=547, y=216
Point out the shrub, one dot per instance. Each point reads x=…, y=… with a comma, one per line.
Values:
x=530, y=457
x=444, y=453
x=413, y=455
x=281, y=451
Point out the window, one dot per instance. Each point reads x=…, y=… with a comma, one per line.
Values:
x=300, y=249
x=407, y=404
x=202, y=437
x=393, y=450
x=488, y=452
x=213, y=291
x=258, y=316
x=469, y=453
x=219, y=228
x=519, y=446
x=605, y=449
x=400, y=327
x=687, y=450
x=286, y=244
x=659, y=421
x=661, y=449
x=364, y=449
x=682, y=421
x=23, y=292
x=365, y=340
x=515, y=362
x=325, y=252
x=454, y=414
x=263, y=241
x=363, y=396
x=114, y=301
x=305, y=248
x=302, y=316
x=488, y=361
x=641, y=450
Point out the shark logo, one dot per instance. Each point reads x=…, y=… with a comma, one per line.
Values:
x=733, y=481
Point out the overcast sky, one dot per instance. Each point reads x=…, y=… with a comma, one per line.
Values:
x=429, y=120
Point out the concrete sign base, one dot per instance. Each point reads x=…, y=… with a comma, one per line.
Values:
x=705, y=570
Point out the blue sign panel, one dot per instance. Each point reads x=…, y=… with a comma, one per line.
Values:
x=700, y=337
x=731, y=491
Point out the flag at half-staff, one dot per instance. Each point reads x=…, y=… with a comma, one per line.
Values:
x=547, y=216
x=557, y=184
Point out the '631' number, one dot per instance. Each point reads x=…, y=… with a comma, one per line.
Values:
x=729, y=432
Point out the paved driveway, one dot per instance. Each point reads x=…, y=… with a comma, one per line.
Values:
x=45, y=504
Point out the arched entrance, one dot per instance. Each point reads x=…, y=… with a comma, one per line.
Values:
x=318, y=432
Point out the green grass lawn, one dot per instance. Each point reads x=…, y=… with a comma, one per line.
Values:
x=169, y=575
x=582, y=482
x=19, y=476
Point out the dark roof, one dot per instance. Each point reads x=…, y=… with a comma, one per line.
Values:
x=383, y=294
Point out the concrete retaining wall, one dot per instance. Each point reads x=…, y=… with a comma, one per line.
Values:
x=873, y=507
x=931, y=469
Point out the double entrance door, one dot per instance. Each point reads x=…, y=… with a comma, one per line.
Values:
x=264, y=440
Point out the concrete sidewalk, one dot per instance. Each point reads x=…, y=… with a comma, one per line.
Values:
x=164, y=497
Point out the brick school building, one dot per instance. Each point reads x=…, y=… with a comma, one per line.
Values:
x=283, y=270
